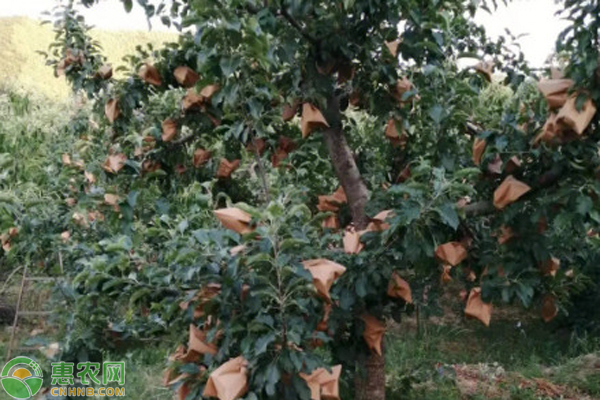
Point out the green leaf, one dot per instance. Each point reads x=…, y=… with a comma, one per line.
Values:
x=448, y=214
x=263, y=342
x=128, y=4
x=584, y=205
x=436, y=113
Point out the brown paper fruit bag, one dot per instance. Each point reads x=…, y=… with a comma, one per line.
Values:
x=324, y=273
x=169, y=130
x=478, y=149
x=373, y=333
x=452, y=253
x=149, y=74
x=400, y=289
x=476, y=308
x=114, y=163
x=312, y=119
x=201, y=157
x=226, y=168
x=112, y=110
x=555, y=91
x=509, y=191
x=576, y=120
x=235, y=219
x=229, y=381
x=198, y=343
x=185, y=76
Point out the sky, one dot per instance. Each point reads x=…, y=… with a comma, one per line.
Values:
x=535, y=19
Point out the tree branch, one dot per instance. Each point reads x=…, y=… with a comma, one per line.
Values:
x=181, y=141
x=486, y=207
x=480, y=208
x=285, y=14
x=261, y=170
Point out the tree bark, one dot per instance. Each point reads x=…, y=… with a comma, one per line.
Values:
x=370, y=383
x=345, y=165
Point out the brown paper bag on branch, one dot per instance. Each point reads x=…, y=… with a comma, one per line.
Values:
x=185, y=76
x=235, y=219
x=208, y=92
x=289, y=111
x=352, y=244
x=323, y=384
x=226, y=168
x=104, y=72
x=312, y=119
x=512, y=165
x=509, y=191
x=183, y=356
x=391, y=132
x=555, y=91
x=324, y=273
x=452, y=253
x=576, y=120
x=198, y=343
x=331, y=222
x=506, y=233
x=378, y=223
x=285, y=147
x=201, y=157
x=169, y=130
x=114, y=163
x=402, y=86
x=198, y=101
x=192, y=100
x=392, y=46
x=495, y=166
x=550, y=133
x=373, y=333
x=549, y=308
x=322, y=325
x=112, y=110
x=550, y=267
x=476, y=308
x=446, y=277
x=149, y=74
x=400, y=289
x=202, y=297
x=229, y=381
x=257, y=145
x=332, y=202
x=485, y=68
x=478, y=149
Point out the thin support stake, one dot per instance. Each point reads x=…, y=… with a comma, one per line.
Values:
x=16, y=320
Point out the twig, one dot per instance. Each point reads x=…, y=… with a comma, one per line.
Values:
x=8, y=279
x=182, y=140
x=285, y=14
x=261, y=170
x=480, y=208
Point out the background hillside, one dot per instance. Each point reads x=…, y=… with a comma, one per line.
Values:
x=21, y=67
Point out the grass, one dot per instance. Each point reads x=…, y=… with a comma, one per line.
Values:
x=421, y=366
x=23, y=68
x=503, y=360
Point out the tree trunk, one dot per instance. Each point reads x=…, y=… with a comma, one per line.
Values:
x=371, y=386
x=345, y=166
x=370, y=383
